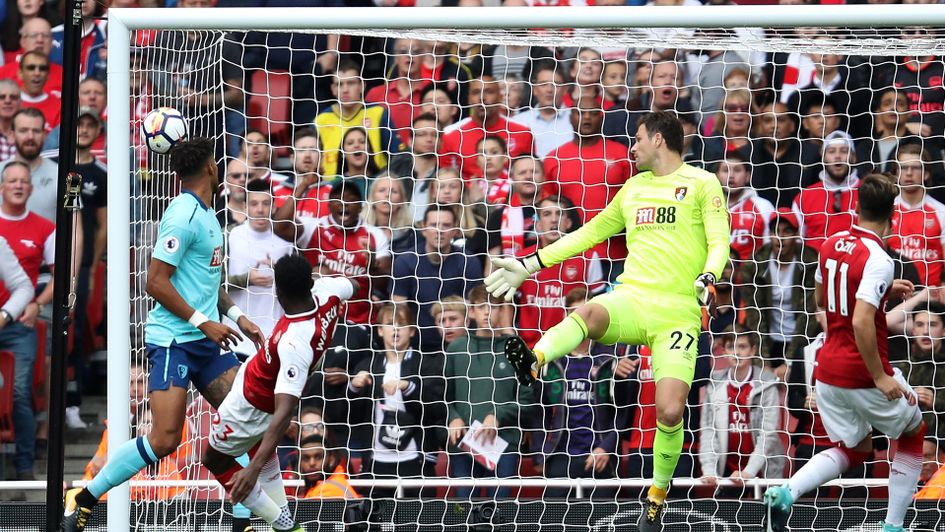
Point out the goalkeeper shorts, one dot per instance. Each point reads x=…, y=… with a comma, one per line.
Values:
x=669, y=324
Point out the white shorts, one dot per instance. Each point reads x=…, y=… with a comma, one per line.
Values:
x=237, y=425
x=851, y=414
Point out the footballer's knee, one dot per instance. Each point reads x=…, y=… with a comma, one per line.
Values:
x=670, y=415
x=164, y=443
x=918, y=430
x=595, y=317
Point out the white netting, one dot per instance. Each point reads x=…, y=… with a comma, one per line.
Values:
x=754, y=98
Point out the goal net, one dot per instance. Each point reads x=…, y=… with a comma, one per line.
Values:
x=391, y=122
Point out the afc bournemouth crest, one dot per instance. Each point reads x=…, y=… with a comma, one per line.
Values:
x=681, y=193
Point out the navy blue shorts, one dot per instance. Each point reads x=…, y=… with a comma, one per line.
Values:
x=200, y=362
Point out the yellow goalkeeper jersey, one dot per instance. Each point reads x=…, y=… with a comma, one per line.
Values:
x=677, y=228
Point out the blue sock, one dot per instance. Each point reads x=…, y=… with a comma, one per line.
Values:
x=240, y=511
x=130, y=457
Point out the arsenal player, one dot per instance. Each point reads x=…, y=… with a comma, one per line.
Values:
x=749, y=212
x=543, y=296
x=918, y=223
x=857, y=389
x=256, y=413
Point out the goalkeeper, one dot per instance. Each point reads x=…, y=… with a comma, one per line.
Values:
x=677, y=244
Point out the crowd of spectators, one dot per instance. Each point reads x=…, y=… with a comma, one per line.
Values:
x=407, y=164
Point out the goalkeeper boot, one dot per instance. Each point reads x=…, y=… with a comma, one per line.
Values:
x=891, y=528
x=522, y=359
x=652, y=518
x=778, y=501
x=76, y=514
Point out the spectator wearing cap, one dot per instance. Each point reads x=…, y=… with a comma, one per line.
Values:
x=92, y=94
x=829, y=206
x=340, y=243
x=778, y=287
x=33, y=74
x=779, y=161
x=34, y=35
x=9, y=105
x=749, y=213
x=918, y=223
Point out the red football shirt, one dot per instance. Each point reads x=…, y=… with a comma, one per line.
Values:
x=824, y=212
x=297, y=342
x=314, y=204
x=590, y=176
x=49, y=103
x=348, y=252
x=459, y=145
x=853, y=266
x=542, y=295
x=402, y=108
x=917, y=234
x=32, y=239
x=749, y=219
x=740, y=443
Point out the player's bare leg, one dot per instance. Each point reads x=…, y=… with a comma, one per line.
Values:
x=590, y=320
x=216, y=391
x=260, y=501
x=822, y=468
x=671, y=396
x=168, y=408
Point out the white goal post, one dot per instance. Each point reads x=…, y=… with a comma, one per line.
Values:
x=392, y=22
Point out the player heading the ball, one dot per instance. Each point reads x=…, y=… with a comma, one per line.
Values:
x=678, y=243
x=183, y=334
x=857, y=388
x=256, y=413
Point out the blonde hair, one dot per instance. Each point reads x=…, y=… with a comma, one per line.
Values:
x=449, y=303
x=400, y=216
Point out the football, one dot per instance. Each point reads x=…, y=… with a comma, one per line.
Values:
x=163, y=128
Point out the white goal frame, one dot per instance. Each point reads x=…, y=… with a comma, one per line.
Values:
x=122, y=21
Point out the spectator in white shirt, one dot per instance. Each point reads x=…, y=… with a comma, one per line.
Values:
x=549, y=122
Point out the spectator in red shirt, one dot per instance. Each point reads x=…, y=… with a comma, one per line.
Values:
x=828, y=207
x=401, y=93
x=32, y=239
x=587, y=67
x=748, y=212
x=34, y=72
x=492, y=186
x=542, y=296
x=306, y=166
x=9, y=105
x=590, y=170
x=918, y=223
x=35, y=36
x=486, y=118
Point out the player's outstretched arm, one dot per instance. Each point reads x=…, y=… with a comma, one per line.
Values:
x=160, y=288
x=716, y=223
x=227, y=307
x=242, y=482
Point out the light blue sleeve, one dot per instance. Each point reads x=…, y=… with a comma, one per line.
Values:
x=174, y=236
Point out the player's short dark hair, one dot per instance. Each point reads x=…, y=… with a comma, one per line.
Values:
x=190, y=157
x=877, y=195
x=259, y=185
x=312, y=439
x=666, y=124
x=293, y=277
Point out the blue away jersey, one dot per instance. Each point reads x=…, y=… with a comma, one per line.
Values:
x=190, y=239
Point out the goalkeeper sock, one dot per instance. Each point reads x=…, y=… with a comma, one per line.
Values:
x=822, y=468
x=904, y=475
x=561, y=339
x=667, y=445
x=130, y=458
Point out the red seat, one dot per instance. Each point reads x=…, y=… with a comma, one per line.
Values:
x=7, y=372
x=269, y=108
x=95, y=310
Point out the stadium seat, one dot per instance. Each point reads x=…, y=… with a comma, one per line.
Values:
x=269, y=108
x=95, y=310
x=39, y=369
x=7, y=363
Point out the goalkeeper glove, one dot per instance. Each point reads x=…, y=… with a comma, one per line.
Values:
x=509, y=273
x=705, y=291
